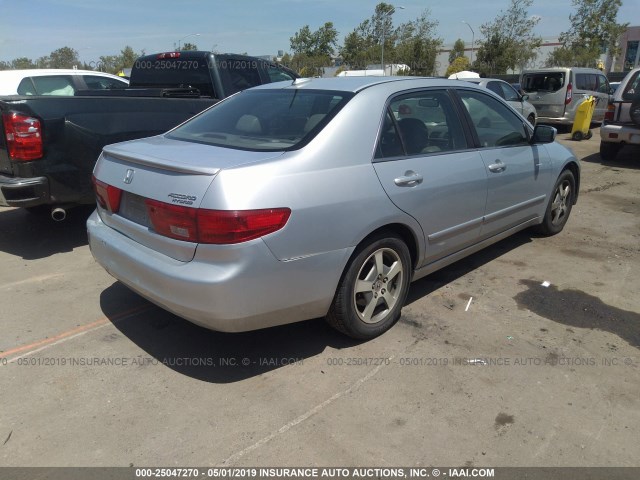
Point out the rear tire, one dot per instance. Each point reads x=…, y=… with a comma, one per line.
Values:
x=373, y=288
x=608, y=151
x=559, y=206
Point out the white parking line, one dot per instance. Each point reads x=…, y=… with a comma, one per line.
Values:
x=285, y=428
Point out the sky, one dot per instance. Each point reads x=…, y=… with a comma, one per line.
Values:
x=94, y=28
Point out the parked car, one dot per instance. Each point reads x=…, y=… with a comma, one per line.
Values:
x=56, y=81
x=511, y=95
x=49, y=144
x=323, y=198
x=558, y=92
x=621, y=125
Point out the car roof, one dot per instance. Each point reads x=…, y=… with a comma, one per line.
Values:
x=39, y=72
x=356, y=84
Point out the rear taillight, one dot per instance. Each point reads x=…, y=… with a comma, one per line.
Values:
x=609, y=114
x=214, y=226
x=107, y=196
x=24, y=136
x=569, y=96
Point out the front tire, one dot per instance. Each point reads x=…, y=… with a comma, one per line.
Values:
x=373, y=288
x=559, y=206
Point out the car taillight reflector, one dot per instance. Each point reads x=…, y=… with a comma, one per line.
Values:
x=569, y=96
x=173, y=221
x=608, y=116
x=24, y=136
x=214, y=226
x=107, y=196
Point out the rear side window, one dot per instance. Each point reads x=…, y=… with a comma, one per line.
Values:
x=47, y=85
x=543, y=81
x=587, y=81
x=278, y=75
x=420, y=123
x=632, y=89
x=264, y=120
x=95, y=82
x=239, y=74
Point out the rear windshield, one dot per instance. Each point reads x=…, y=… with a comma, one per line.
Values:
x=542, y=82
x=264, y=120
x=632, y=89
x=172, y=73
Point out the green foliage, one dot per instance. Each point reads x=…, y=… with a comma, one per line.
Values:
x=115, y=63
x=457, y=51
x=189, y=46
x=509, y=42
x=459, y=64
x=313, y=50
x=413, y=43
x=593, y=31
x=64, y=57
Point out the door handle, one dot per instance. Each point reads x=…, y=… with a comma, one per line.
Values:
x=409, y=179
x=497, y=167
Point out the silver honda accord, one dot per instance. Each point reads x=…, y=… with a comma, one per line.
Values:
x=323, y=198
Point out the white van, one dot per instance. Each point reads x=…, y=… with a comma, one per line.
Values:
x=557, y=92
x=53, y=81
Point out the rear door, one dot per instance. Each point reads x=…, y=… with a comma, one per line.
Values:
x=428, y=171
x=547, y=91
x=518, y=173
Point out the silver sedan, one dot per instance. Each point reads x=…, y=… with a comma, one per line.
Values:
x=323, y=198
x=507, y=92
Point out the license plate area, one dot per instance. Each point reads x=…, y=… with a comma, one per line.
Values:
x=134, y=208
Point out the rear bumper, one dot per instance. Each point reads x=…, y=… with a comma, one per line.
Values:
x=230, y=288
x=23, y=192
x=620, y=133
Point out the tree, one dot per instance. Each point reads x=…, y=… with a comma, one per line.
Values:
x=457, y=51
x=65, y=57
x=364, y=44
x=458, y=65
x=189, y=46
x=593, y=31
x=115, y=63
x=509, y=42
x=417, y=45
x=313, y=50
x=22, y=63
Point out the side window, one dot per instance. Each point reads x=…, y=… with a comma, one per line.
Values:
x=277, y=74
x=421, y=123
x=510, y=94
x=243, y=74
x=495, y=88
x=26, y=87
x=586, y=81
x=632, y=88
x=495, y=124
x=95, y=82
x=54, y=85
x=603, y=84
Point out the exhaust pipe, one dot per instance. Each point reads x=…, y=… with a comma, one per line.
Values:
x=58, y=214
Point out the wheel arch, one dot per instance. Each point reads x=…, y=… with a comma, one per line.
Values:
x=575, y=170
x=401, y=230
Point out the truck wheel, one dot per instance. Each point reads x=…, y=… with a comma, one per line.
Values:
x=373, y=288
x=559, y=206
x=608, y=151
x=634, y=112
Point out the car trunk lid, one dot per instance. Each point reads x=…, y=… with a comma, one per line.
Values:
x=157, y=179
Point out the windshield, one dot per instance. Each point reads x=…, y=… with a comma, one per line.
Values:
x=543, y=81
x=264, y=120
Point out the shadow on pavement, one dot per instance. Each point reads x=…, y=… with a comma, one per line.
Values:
x=230, y=357
x=627, y=158
x=34, y=236
x=216, y=357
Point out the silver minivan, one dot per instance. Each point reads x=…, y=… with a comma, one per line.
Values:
x=558, y=92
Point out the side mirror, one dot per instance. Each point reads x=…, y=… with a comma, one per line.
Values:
x=525, y=97
x=543, y=134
